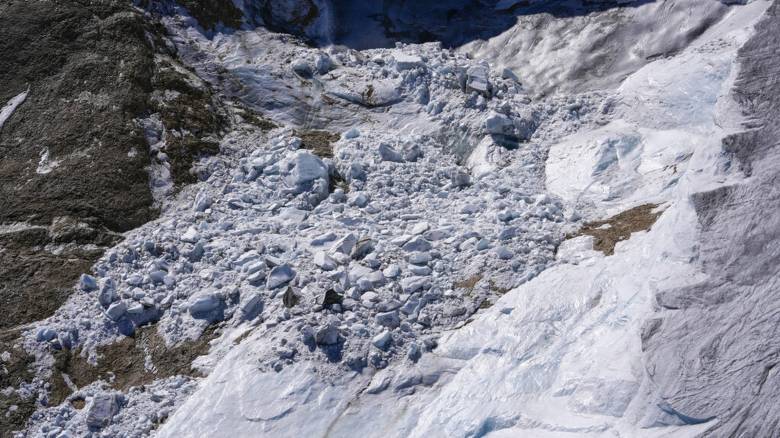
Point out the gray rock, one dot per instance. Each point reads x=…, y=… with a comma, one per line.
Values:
x=419, y=270
x=191, y=235
x=362, y=249
x=257, y=278
x=376, y=278
x=323, y=238
x=272, y=262
x=102, y=410
x=45, y=334
x=135, y=309
x=254, y=266
x=387, y=153
x=134, y=280
x=498, y=124
x=508, y=74
x=117, y=310
x=414, y=352
x=359, y=199
x=477, y=79
x=504, y=253
x=327, y=334
x=323, y=63
x=411, y=305
x=388, y=319
x=507, y=233
x=388, y=306
x=247, y=257
x=251, y=306
x=364, y=284
x=419, y=258
x=413, y=284
x=302, y=68
x=418, y=244
x=157, y=276
x=107, y=294
x=87, y=283
x=290, y=299
x=413, y=153
x=382, y=340
x=369, y=296
x=460, y=179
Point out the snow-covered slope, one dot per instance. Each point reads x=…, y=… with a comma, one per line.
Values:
x=398, y=254
x=562, y=354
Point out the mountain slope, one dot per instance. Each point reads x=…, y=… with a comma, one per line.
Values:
x=417, y=241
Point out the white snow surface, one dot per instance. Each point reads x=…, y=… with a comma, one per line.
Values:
x=446, y=241
x=9, y=108
x=607, y=46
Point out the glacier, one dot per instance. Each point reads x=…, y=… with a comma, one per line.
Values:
x=398, y=249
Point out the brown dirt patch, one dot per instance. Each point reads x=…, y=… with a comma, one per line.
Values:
x=467, y=284
x=122, y=364
x=78, y=403
x=35, y=282
x=606, y=233
x=254, y=118
x=498, y=289
x=319, y=142
x=16, y=369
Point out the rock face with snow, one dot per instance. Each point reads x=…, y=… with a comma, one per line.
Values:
x=447, y=238
x=708, y=340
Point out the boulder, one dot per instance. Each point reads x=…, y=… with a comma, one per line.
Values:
x=324, y=261
x=382, y=340
x=407, y=62
x=331, y=297
x=327, y=334
x=290, y=299
x=420, y=228
x=362, y=248
x=387, y=153
x=204, y=303
x=303, y=170
x=498, y=124
x=504, y=253
x=87, y=283
x=477, y=79
x=102, y=410
x=388, y=319
x=279, y=276
x=344, y=245
x=117, y=310
x=45, y=334
x=251, y=306
x=460, y=179
x=107, y=294
x=419, y=258
x=413, y=284
x=417, y=243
